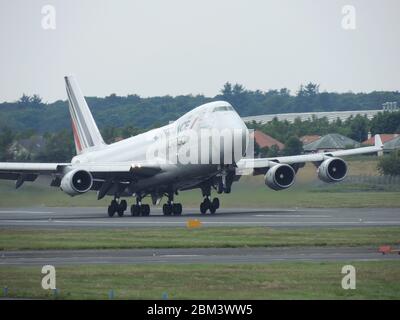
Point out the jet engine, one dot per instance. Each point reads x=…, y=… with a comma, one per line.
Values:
x=76, y=182
x=279, y=177
x=332, y=170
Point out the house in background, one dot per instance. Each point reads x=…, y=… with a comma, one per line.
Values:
x=330, y=142
x=391, y=145
x=309, y=138
x=264, y=141
x=385, y=137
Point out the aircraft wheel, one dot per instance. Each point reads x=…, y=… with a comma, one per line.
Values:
x=123, y=205
x=145, y=210
x=112, y=208
x=215, y=203
x=114, y=204
x=203, y=207
x=120, y=212
x=212, y=209
x=135, y=210
x=167, y=210
x=177, y=209
x=111, y=211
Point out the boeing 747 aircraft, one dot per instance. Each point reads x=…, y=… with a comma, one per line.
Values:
x=130, y=168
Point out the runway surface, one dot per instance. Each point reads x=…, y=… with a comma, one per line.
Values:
x=188, y=256
x=74, y=217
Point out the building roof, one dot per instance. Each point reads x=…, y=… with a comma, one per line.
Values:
x=309, y=138
x=331, y=141
x=392, y=144
x=385, y=137
x=263, y=140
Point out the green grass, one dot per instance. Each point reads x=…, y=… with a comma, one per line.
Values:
x=243, y=194
x=215, y=237
x=248, y=192
x=305, y=280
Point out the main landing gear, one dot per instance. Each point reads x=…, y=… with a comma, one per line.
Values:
x=140, y=209
x=171, y=208
x=117, y=206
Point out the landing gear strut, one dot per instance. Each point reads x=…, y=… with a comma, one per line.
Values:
x=170, y=207
x=117, y=206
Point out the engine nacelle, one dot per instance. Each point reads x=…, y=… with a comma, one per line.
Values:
x=280, y=177
x=76, y=182
x=332, y=170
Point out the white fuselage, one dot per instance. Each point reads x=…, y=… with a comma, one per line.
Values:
x=135, y=149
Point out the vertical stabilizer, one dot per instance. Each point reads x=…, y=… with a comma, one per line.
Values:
x=86, y=133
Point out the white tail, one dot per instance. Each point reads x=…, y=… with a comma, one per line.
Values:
x=378, y=141
x=86, y=133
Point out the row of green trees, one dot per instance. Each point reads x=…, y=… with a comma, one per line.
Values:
x=60, y=146
x=356, y=127
x=30, y=112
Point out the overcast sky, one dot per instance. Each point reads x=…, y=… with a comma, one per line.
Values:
x=158, y=47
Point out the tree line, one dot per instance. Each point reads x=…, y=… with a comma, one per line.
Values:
x=30, y=112
x=59, y=146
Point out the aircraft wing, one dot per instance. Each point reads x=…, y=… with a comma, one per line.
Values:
x=24, y=171
x=262, y=163
x=126, y=169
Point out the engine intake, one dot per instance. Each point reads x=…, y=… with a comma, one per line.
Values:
x=280, y=177
x=76, y=182
x=332, y=170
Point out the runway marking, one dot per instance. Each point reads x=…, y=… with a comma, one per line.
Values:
x=181, y=222
x=178, y=255
x=291, y=216
x=33, y=212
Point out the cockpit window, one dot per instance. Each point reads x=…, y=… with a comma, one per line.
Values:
x=223, y=108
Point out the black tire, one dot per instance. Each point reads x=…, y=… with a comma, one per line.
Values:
x=114, y=204
x=144, y=210
x=215, y=203
x=177, y=209
x=123, y=205
x=135, y=210
x=203, y=208
x=110, y=211
x=167, y=209
x=227, y=190
x=120, y=212
x=212, y=209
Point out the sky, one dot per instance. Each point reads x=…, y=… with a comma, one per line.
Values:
x=159, y=47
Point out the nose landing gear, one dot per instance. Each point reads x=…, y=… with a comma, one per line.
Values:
x=208, y=204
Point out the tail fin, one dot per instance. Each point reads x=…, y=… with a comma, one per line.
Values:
x=86, y=133
x=378, y=141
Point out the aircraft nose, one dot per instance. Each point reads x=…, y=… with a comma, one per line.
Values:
x=230, y=123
